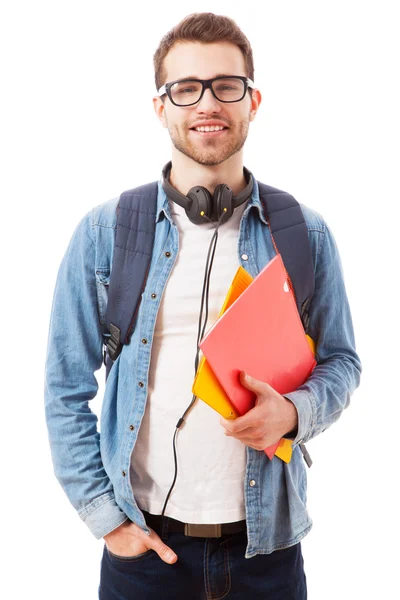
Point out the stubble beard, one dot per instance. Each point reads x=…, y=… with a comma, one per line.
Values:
x=210, y=152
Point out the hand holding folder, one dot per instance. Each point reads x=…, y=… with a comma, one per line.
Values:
x=258, y=420
x=258, y=331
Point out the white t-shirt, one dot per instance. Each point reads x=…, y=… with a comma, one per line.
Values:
x=211, y=466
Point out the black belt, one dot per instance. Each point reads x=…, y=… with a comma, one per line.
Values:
x=194, y=530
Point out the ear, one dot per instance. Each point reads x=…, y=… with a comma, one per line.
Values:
x=255, y=103
x=159, y=109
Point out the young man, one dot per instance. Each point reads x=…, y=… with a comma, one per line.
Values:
x=250, y=512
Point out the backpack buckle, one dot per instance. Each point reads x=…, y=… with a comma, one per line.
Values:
x=114, y=345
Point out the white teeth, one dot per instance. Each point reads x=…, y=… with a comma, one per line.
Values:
x=210, y=128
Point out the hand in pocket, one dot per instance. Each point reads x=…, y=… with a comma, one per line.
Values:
x=129, y=540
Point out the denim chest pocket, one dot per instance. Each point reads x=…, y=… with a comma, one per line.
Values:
x=102, y=285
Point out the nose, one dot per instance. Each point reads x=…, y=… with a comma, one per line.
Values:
x=208, y=103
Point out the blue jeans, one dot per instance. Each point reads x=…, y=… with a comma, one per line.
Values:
x=206, y=569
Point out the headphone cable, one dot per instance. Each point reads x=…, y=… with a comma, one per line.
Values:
x=200, y=334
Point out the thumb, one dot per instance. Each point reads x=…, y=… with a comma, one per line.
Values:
x=164, y=552
x=254, y=385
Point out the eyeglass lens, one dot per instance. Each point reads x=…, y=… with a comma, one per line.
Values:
x=189, y=92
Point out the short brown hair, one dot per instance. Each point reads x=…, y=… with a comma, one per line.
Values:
x=206, y=28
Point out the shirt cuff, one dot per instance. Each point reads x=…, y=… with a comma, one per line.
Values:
x=306, y=411
x=103, y=515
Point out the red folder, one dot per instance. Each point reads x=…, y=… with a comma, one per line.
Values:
x=260, y=333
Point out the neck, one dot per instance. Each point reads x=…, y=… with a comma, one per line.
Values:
x=186, y=173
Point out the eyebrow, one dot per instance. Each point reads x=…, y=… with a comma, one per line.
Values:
x=218, y=75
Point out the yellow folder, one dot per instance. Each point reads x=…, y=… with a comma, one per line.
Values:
x=284, y=450
x=207, y=387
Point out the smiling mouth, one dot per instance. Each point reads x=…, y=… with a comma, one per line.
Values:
x=210, y=133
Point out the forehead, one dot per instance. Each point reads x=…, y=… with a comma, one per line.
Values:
x=204, y=61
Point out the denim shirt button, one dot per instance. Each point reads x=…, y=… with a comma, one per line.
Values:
x=131, y=427
x=168, y=254
x=123, y=474
x=144, y=341
x=141, y=384
x=154, y=295
x=245, y=257
x=252, y=483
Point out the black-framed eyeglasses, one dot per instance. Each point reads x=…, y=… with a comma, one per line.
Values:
x=185, y=92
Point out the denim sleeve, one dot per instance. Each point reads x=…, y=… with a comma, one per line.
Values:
x=74, y=353
x=323, y=397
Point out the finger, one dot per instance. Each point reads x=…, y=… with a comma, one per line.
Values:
x=257, y=442
x=254, y=385
x=249, y=420
x=164, y=552
x=254, y=442
x=239, y=432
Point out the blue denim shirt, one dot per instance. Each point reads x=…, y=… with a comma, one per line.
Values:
x=93, y=468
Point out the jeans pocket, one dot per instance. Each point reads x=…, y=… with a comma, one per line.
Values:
x=129, y=559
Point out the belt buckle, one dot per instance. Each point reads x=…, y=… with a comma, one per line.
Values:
x=206, y=531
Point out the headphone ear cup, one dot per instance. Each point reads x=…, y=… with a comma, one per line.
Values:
x=202, y=201
x=223, y=199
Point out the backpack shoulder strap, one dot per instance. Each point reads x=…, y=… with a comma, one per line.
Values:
x=134, y=239
x=290, y=234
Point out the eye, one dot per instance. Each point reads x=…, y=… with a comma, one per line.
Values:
x=187, y=90
x=227, y=88
x=184, y=88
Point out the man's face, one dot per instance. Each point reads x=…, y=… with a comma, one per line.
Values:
x=205, y=61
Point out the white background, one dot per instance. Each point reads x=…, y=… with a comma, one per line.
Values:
x=78, y=127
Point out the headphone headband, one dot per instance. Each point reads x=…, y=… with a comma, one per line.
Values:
x=199, y=200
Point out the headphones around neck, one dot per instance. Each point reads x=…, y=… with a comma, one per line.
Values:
x=199, y=201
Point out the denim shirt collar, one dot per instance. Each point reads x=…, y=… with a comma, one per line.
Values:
x=163, y=203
